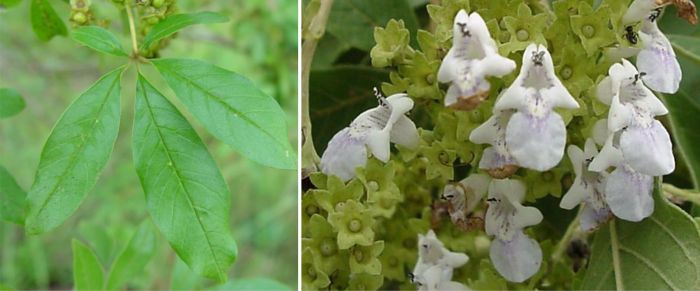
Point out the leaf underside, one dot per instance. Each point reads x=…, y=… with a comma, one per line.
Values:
x=232, y=109
x=74, y=154
x=185, y=192
x=659, y=253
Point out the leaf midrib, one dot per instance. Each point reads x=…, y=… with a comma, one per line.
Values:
x=226, y=105
x=179, y=180
x=74, y=157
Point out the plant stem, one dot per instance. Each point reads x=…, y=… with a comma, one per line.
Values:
x=568, y=235
x=132, y=30
x=312, y=35
x=686, y=195
x=616, y=256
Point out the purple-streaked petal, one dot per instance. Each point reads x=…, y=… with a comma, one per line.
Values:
x=518, y=259
x=628, y=194
x=536, y=143
x=648, y=150
x=343, y=155
x=591, y=218
x=658, y=60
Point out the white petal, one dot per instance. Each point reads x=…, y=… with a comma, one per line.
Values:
x=487, y=132
x=491, y=159
x=559, y=96
x=576, y=194
x=378, y=144
x=536, y=143
x=576, y=157
x=448, y=68
x=600, y=131
x=609, y=156
x=638, y=11
x=404, y=133
x=400, y=104
x=518, y=259
x=604, y=90
x=658, y=60
x=514, y=97
x=628, y=194
x=343, y=155
x=452, y=94
x=648, y=150
x=476, y=186
x=496, y=65
x=592, y=218
x=620, y=115
x=454, y=259
x=505, y=215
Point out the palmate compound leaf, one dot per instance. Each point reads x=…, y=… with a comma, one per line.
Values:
x=45, y=22
x=74, y=154
x=99, y=39
x=185, y=192
x=662, y=252
x=133, y=258
x=176, y=22
x=232, y=109
x=11, y=198
x=88, y=273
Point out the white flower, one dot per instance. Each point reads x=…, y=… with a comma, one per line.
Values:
x=432, y=280
x=465, y=195
x=435, y=263
x=496, y=158
x=588, y=188
x=514, y=255
x=657, y=58
x=645, y=144
x=373, y=129
x=627, y=192
x=536, y=135
x=473, y=56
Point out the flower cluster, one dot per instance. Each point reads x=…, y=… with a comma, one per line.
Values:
x=502, y=136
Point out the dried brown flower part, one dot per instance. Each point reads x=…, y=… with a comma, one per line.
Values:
x=466, y=103
x=686, y=9
x=503, y=172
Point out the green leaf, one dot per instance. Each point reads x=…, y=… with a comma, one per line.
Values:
x=87, y=270
x=11, y=102
x=9, y=3
x=133, y=258
x=45, y=22
x=338, y=95
x=11, y=198
x=232, y=109
x=684, y=106
x=660, y=252
x=252, y=284
x=99, y=39
x=185, y=192
x=173, y=23
x=74, y=155
x=353, y=21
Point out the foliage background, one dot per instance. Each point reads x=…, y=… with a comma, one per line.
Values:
x=259, y=42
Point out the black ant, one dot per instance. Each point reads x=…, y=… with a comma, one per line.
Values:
x=630, y=35
x=463, y=28
x=655, y=14
x=493, y=200
x=639, y=76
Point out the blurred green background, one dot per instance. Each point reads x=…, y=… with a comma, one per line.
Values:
x=259, y=42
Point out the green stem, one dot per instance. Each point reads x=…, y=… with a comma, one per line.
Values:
x=566, y=239
x=132, y=31
x=686, y=53
x=616, y=256
x=686, y=195
x=312, y=35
